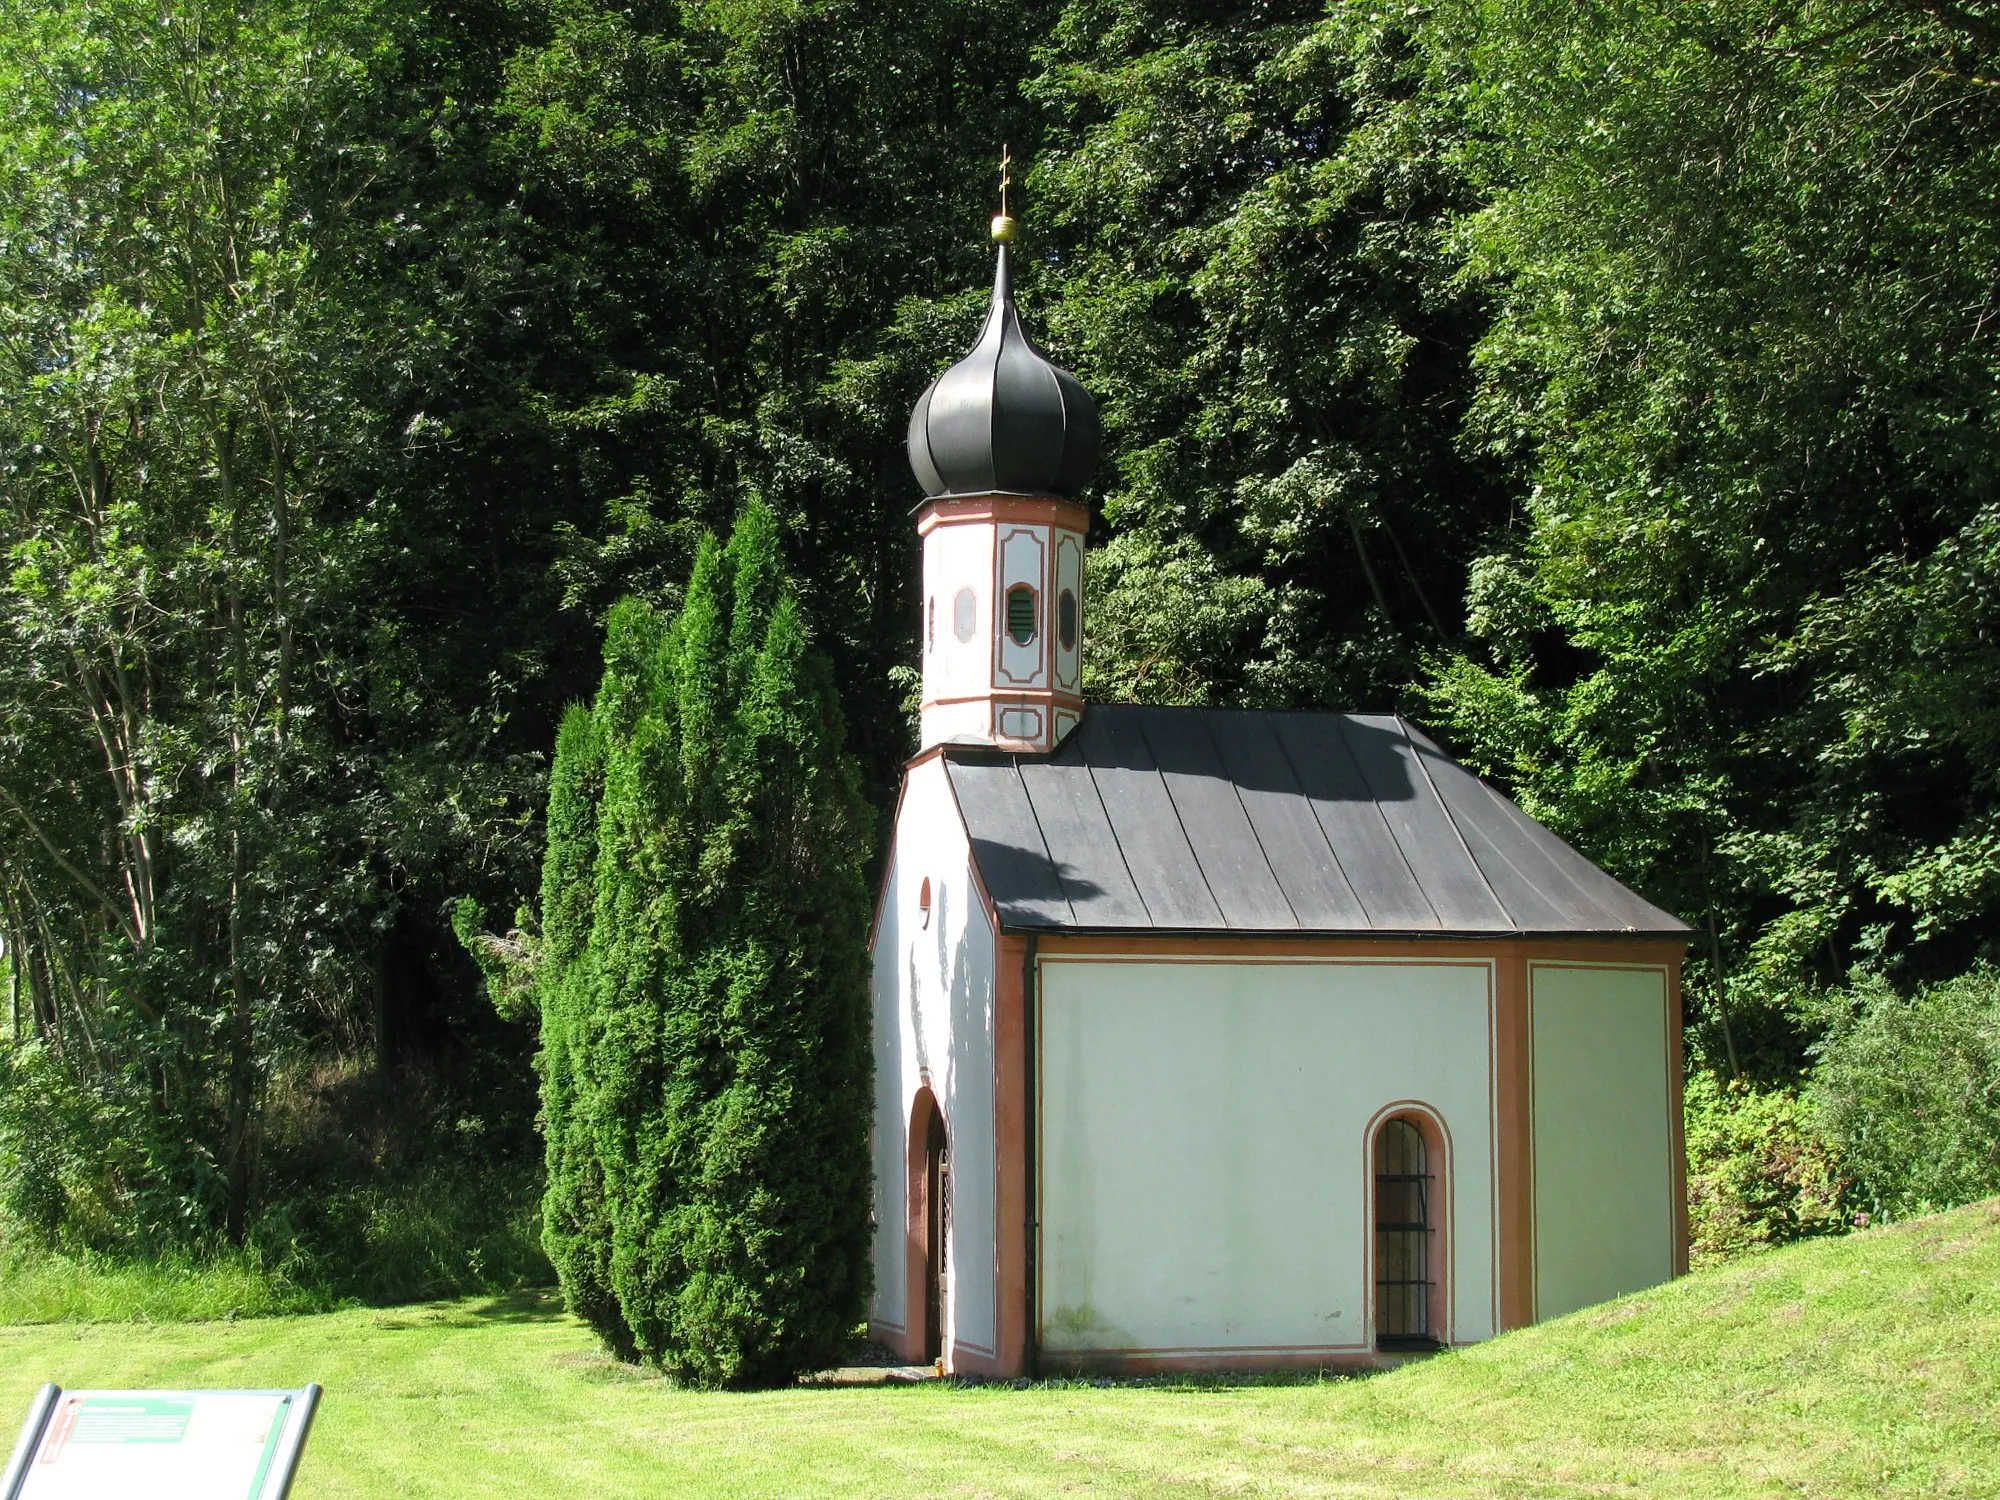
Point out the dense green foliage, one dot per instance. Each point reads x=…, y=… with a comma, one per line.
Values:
x=1907, y=1088
x=703, y=988
x=208, y=847
x=1250, y=208
x=357, y=358
x=1760, y=1170
x=1609, y=384
x=1745, y=360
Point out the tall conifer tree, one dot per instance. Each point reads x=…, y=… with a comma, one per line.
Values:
x=703, y=985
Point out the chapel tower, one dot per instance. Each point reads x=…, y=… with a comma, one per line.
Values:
x=1003, y=442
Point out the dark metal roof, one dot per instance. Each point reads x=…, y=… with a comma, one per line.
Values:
x=1195, y=819
x=1004, y=419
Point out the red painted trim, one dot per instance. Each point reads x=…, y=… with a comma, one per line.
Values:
x=1648, y=950
x=1013, y=1118
x=1061, y=697
x=1066, y=515
x=1247, y=1361
x=1677, y=1116
x=1514, y=1204
x=968, y=1359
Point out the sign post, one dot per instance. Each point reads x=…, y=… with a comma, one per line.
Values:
x=164, y=1445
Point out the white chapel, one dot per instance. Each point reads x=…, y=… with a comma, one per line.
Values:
x=1224, y=1039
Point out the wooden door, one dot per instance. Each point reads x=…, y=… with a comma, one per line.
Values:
x=937, y=1234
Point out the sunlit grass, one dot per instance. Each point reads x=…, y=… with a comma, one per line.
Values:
x=44, y=1286
x=1858, y=1366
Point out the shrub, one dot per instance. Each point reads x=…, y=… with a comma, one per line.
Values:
x=1759, y=1171
x=65, y=1157
x=702, y=983
x=1907, y=1089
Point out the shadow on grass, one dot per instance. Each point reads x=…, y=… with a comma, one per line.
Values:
x=532, y=1305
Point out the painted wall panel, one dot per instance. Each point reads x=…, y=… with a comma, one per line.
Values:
x=1202, y=1160
x=958, y=633
x=1069, y=580
x=1604, y=1220
x=1024, y=561
x=933, y=991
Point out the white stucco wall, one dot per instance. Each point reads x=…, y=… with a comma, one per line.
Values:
x=979, y=684
x=1604, y=1184
x=934, y=996
x=958, y=559
x=1203, y=1168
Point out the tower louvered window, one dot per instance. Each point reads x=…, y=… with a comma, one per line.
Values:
x=1021, y=614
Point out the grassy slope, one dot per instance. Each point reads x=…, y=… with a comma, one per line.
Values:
x=1868, y=1365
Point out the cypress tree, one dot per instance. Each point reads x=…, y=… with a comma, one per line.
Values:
x=703, y=984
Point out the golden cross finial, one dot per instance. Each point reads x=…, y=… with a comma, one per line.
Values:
x=1003, y=224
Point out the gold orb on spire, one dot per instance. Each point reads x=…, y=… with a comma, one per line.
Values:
x=1004, y=227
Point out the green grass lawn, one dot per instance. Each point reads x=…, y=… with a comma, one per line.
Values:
x=1868, y=1365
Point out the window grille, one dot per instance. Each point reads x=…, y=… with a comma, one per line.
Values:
x=937, y=1234
x=1403, y=1230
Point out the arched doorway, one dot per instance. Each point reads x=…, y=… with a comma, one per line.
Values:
x=1409, y=1258
x=929, y=1238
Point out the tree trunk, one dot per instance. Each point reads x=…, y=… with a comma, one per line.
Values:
x=241, y=1074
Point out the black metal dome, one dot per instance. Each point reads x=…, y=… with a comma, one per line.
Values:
x=1004, y=420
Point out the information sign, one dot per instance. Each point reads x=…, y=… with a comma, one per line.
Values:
x=163, y=1445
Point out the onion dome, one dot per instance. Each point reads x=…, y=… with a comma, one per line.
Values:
x=1004, y=419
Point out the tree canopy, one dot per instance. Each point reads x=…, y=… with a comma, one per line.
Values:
x=1608, y=385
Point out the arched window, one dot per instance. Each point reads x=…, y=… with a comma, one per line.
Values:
x=1066, y=620
x=930, y=624
x=924, y=901
x=1406, y=1258
x=1021, y=614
